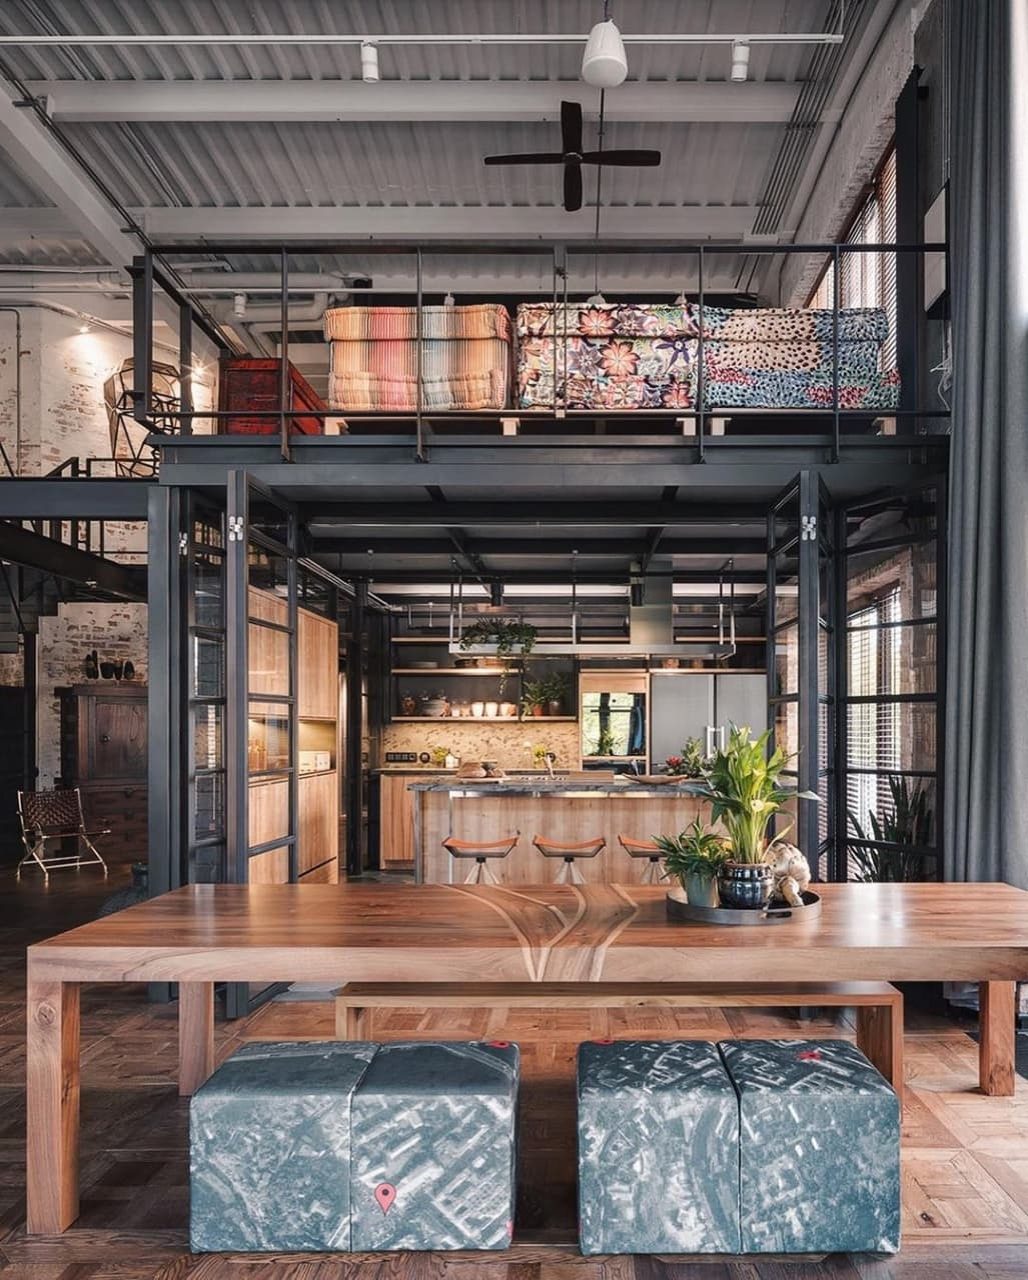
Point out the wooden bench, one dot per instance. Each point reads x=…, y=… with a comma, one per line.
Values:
x=879, y=1005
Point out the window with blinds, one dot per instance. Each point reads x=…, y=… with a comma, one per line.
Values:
x=869, y=279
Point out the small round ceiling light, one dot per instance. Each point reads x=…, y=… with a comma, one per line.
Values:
x=740, y=61
x=369, y=63
x=604, y=64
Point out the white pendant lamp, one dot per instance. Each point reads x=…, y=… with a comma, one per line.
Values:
x=604, y=64
x=740, y=61
x=369, y=62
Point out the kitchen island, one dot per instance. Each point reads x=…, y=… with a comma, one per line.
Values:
x=563, y=810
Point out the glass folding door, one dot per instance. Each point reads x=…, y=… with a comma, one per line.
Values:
x=889, y=666
x=801, y=686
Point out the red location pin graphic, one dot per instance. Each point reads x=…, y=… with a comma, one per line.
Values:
x=385, y=1194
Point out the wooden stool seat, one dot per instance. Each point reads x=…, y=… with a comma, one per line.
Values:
x=644, y=849
x=569, y=873
x=480, y=851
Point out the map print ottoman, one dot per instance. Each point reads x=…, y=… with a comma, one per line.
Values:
x=433, y=1132
x=269, y=1137
x=820, y=1137
x=658, y=1149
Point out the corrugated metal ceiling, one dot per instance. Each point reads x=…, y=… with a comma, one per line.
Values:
x=649, y=62
x=414, y=164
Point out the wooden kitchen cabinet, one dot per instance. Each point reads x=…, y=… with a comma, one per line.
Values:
x=318, y=666
x=396, y=820
x=318, y=825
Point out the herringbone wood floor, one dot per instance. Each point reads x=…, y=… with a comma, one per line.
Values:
x=965, y=1187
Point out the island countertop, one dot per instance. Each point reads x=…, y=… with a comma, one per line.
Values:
x=565, y=811
x=558, y=786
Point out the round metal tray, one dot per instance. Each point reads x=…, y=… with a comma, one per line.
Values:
x=776, y=913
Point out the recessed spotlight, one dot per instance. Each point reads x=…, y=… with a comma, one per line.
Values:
x=369, y=63
x=740, y=61
x=604, y=64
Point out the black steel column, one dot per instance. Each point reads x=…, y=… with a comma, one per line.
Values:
x=29, y=769
x=237, y=683
x=141, y=272
x=807, y=612
x=165, y=696
x=165, y=693
x=838, y=867
x=909, y=266
x=354, y=783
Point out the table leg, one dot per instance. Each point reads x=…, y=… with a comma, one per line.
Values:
x=880, y=1039
x=996, y=1037
x=195, y=1035
x=52, y=1148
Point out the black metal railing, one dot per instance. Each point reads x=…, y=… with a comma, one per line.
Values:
x=153, y=271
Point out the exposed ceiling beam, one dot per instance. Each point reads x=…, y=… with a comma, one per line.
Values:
x=549, y=577
x=50, y=170
x=97, y=498
x=449, y=223
x=542, y=514
x=33, y=551
x=728, y=541
x=682, y=102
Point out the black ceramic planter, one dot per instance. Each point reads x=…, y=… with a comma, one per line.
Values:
x=745, y=884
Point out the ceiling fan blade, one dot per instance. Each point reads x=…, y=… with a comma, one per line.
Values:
x=571, y=127
x=650, y=158
x=572, y=188
x=531, y=157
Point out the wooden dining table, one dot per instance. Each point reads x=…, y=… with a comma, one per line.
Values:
x=205, y=934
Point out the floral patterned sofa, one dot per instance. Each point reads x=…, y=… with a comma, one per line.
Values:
x=605, y=356
x=645, y=355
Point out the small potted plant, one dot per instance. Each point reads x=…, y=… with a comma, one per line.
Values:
x=745, y=794
x=690, y=763
x=555, y=687
x=695, y=858
x=533, y=697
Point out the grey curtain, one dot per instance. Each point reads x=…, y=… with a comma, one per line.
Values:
x=985, y=834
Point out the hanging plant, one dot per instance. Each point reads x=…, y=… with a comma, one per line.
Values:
x=512, y=640
x=509, y=638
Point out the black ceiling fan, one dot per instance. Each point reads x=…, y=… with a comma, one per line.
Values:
x=572, y=157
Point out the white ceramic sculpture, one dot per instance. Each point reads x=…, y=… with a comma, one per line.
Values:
x=791, y=870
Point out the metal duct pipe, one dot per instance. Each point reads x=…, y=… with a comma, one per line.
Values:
x=266, y=319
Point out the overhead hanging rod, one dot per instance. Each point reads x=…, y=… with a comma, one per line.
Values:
x=107, y=39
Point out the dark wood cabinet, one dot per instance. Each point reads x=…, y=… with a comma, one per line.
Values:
x=104, y=753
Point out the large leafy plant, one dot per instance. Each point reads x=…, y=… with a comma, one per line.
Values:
x=696, y=851
x=745, y=791
x=908, y=824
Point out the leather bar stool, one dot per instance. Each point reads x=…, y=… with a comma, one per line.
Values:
x=569, y=873
x=643, y=849
x=480, y=852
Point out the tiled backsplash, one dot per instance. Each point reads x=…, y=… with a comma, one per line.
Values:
x=509, y=744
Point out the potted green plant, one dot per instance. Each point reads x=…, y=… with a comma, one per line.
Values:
x=695, y=858
x=533, y=697
x=907, y=826
x=690, y=763
x=509, y=639
x=554, y=690
x=743, y=786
